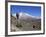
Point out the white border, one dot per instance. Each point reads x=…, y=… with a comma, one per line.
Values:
x=24, y=32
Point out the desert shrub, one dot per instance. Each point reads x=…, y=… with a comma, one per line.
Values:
x=18, y=25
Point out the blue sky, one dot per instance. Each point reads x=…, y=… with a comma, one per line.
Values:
x=32, y=10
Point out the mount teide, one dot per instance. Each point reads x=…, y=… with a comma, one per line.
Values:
x=27, y=17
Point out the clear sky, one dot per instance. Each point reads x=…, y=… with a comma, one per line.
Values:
x=32, y=10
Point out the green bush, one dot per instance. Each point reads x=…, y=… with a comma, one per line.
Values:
x=18, y=25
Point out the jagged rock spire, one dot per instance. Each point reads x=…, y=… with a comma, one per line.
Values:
x=17, y=15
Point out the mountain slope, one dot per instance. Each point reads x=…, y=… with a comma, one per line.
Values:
x=27, y=22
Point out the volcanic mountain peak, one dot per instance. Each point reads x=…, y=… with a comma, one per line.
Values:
x=25, y=15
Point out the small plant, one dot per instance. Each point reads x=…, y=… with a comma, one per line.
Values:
x=18, y=25
x=33, y=26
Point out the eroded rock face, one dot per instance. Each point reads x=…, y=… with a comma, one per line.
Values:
x=24, y=25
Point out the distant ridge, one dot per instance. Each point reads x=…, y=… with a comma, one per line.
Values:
x=26, y=15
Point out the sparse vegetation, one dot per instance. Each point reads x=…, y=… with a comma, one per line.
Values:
x=26, y=25
x=19, y=25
